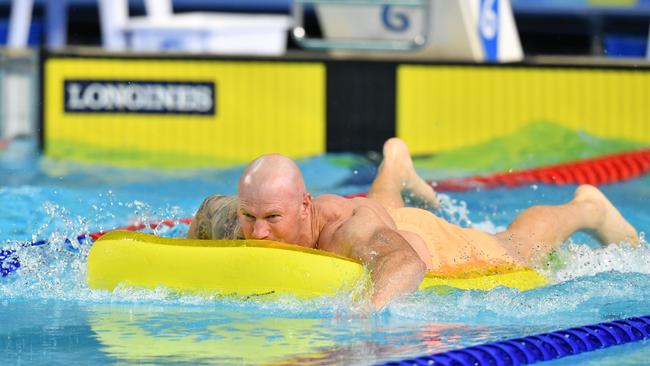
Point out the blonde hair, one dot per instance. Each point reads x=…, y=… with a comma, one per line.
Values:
x=217, y=219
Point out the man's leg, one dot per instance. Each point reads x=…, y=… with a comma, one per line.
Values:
x=396, y=174
x=540, y=229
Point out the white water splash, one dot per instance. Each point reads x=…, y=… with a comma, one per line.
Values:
x=581, y=260
x=457, y=212
x=453, y=210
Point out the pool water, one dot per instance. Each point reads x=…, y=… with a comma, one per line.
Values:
x=50, y=316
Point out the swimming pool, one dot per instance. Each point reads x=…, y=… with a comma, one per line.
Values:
x=48, y=315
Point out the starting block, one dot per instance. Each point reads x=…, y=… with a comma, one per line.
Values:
x=467, y=30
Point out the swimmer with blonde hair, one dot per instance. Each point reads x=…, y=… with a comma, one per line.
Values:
x=216, y=218
x=398, y=244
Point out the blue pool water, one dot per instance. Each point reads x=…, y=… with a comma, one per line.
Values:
x=49, y=316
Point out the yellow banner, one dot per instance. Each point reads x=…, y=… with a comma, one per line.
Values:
x=181, y=113
x=440, y=108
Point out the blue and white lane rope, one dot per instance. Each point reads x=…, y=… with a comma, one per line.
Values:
x=9, y=261
x=541, y=347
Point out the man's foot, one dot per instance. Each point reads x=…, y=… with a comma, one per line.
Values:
x=397, y=157
x=612, y=227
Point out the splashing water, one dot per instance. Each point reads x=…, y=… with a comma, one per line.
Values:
x=57, y=270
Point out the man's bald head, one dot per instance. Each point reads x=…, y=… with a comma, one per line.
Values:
x=272, y=175
x=273, y=201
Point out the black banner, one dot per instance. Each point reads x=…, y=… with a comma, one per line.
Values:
x=141, y=97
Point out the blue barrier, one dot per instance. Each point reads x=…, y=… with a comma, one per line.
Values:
x=34, y=37
x=541, y=347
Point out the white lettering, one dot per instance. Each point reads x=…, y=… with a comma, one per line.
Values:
x=204, y=100
x=74, y=99
x=114, y=96
x=94, y=97
x=139, y=97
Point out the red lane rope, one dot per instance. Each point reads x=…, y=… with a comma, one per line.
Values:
x=595, y=171
x=141, y=225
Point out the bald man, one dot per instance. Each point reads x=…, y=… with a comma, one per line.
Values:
x=275, y=205
x=399, y=244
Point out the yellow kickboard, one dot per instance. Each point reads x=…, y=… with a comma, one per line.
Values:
x=247, y=268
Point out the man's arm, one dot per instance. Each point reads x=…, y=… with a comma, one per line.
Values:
x=395, y=268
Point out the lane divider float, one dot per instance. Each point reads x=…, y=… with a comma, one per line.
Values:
x=606, y=169
x=541, y=347
x=9, y=260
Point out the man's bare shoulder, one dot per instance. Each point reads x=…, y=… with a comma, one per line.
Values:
x=332, y=207
x=326, y=198
x=331, y=204
x=334, y=199
x=346, y=219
